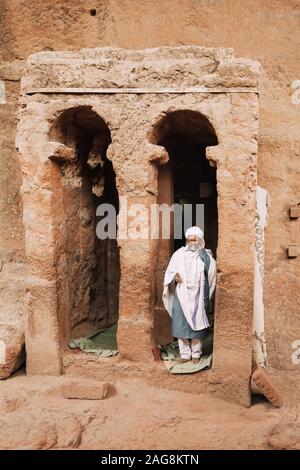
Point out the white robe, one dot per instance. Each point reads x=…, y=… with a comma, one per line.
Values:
x=191, y=270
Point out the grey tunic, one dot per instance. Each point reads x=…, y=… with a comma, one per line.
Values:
x=180, y=326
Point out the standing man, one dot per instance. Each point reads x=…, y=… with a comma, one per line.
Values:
x=189, y=284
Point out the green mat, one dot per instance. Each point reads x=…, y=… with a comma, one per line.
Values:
x=170, y=354
x=104, y=343
x=101, y=342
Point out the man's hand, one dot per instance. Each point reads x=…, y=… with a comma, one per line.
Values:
x=178, y=278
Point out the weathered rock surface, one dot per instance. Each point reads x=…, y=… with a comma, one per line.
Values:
x=35, y=415
x=85, y=389
x=12, y=294
x=267, y=32
x=285, y=436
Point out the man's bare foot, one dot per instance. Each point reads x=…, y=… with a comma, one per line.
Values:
x=196, y=360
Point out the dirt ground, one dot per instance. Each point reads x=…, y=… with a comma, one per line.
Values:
x=134, y=415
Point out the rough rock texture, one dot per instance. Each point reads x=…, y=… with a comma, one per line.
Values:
x=267, y=32
x=84, y=389
x=115, y=69
x=261, y=379
x=87, y=268
x=34, y=415
x=12, y=294
x=285, y=436
x=229, y=118
x=12, y=267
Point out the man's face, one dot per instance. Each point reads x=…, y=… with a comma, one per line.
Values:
x=193, y=243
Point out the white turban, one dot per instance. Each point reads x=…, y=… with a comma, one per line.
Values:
x=194, y=231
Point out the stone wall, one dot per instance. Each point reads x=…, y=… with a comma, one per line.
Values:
x=145, y=98
x=267, y=31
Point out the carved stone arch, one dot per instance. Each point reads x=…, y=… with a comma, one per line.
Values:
x=216, y=84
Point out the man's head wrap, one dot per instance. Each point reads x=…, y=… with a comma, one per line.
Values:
x=194, y=231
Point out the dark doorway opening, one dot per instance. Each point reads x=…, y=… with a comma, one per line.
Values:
x=187, y=178
x=194, y=183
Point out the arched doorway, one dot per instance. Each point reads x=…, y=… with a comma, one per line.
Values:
x=88, y=269
x=188, y=178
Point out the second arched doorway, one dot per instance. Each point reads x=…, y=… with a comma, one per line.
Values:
x=187, y=179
